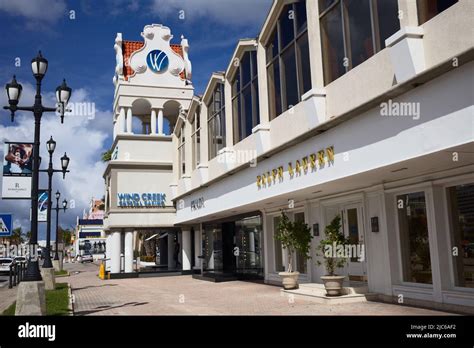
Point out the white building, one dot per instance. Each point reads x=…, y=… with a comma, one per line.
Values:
x=152, y=92
x=368, y=115
x=362, y=110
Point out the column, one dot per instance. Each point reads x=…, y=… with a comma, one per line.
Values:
x=314, y=42
x=121, y=121
x=252, y=247
x=129, y=120
x=153, y=121
x=160, y=121
x=197, y=248
x=171, y=264
x=115, y=128
x=108, y=246
x=115, y=252
x=128, y=251
x=186, y=251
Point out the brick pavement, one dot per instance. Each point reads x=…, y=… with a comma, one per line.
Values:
x=182, y=295
x=7, y=297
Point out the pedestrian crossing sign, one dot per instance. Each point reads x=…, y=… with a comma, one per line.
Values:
x=6, y=226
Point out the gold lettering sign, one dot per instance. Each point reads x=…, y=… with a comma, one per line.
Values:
x=290, y=169
x=304, y=163
x=280, y=173
x=330, y=153
x=321, y=160
x=312, y=160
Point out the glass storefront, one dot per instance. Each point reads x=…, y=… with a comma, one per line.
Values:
x=461, y=208
x=415, y=247
x=234, y=246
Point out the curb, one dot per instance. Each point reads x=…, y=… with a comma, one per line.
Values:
x=71, y=300
x=63, y=275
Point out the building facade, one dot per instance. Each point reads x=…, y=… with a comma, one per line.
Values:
x=152, y=93
x=358, y=109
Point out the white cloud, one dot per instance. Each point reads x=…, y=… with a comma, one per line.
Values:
x=81, y=137
x=232, y=12
x=38, y=10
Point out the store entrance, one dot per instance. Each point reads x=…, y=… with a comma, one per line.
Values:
x=234, y=248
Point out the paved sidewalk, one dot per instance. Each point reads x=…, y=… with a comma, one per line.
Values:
x=182, y=295
x=7, y=297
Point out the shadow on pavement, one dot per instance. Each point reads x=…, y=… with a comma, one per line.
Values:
x=92, y=286
x=104, y=308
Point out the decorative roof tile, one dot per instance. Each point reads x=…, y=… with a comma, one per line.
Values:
x=132, y=46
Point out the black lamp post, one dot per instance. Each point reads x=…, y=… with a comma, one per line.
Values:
x=58, y=195
x=51, y=145
x=39, y=66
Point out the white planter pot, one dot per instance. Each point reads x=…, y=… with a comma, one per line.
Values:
x=333, y=285
x=289, y=280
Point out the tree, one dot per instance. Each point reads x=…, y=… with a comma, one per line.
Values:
x=106, y=156
x=17, y=236
x=294, y=237
x=328, y=246
x=65, y=236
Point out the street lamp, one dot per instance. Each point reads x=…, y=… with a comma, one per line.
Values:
x=63, y=94
x=57, y=208
x=39, y=66
x=14, y=90
x=51, y=146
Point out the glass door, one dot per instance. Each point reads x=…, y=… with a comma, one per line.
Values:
x=353, y=226
x=248, y=246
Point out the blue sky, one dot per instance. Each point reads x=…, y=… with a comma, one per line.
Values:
x=81, y=50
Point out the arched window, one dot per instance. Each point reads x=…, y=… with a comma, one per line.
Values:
x=352, y=31
x=288, y=66
x=182, y=151
x=245, y=97
x=196, y=138
x=216, y=121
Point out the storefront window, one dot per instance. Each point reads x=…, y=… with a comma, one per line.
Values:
x=461, y=204
x=278, y=251
x=216, y=121
x=196, y=139
x=288, y=66
x=301, y=265
x=428, y=9
x=212, y=247
x=181, y=152
x=234, y=246
x=245, y=97
x=248, y=234
x=413, y=229
x=352, y=31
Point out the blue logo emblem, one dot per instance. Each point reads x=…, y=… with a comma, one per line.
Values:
x=157, y=61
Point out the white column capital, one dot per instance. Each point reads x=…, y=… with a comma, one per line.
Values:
x=129, y=120
x=153, y=121
x=160, y=121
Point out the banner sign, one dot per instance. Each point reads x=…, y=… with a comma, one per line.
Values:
x=6, y=225
x=146, y=200
x=17, y=170
x=42, y=205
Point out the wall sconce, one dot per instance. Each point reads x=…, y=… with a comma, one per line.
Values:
x=374, y=221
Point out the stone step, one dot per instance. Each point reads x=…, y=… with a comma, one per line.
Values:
x=317, y=292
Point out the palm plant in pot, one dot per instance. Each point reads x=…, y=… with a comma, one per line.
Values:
x=295, y=237
x=331, y=249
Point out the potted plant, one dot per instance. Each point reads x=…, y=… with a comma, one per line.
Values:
x=294, y=237
x=329, y=249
